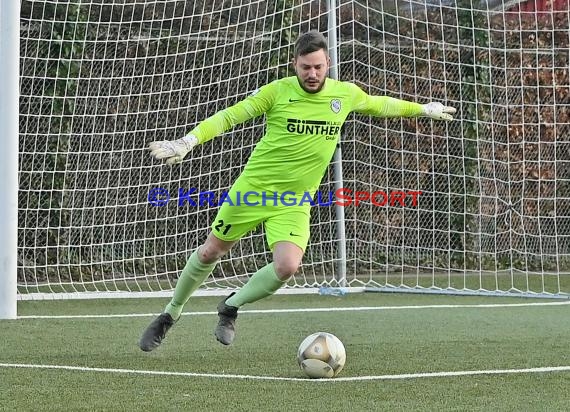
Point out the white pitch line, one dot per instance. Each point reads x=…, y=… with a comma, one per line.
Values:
x=334, y=309
x=548, y=369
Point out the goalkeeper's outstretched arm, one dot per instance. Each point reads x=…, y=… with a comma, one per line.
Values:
x=174, y=151
x=385, y=106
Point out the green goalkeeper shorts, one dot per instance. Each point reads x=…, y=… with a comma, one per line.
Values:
x=245, y=207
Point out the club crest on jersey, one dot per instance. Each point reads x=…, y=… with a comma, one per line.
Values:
x=335, y=105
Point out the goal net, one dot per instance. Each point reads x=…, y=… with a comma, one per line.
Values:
x=102, y=79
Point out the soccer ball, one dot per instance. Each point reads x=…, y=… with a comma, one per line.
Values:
x=321, y=355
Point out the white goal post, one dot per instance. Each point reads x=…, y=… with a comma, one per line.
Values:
x=99, y=80
x=9, y=96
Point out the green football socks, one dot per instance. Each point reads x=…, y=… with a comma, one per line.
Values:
x=263, y=283
x=192, y=276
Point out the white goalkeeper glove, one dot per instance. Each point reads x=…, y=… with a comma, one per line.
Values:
x=173, y=151
x=438, y=111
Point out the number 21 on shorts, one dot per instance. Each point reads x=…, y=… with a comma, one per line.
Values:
x=220, y=227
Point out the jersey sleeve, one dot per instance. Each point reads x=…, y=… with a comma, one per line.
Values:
x=257, y=103
x=382, y=106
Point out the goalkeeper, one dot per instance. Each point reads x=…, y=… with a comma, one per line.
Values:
x=304, y=115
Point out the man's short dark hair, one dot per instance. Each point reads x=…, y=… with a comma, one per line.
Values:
x=310, y=42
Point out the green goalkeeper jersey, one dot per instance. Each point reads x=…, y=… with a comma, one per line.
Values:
x=302, y=129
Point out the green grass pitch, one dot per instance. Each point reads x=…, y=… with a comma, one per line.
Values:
x=396, y=345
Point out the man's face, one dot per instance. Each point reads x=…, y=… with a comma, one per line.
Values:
x=312, y=70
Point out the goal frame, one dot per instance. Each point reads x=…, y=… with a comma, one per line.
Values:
x=340, y=259
x=9, y=115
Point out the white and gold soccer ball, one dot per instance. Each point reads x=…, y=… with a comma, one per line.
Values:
x=321, y=355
